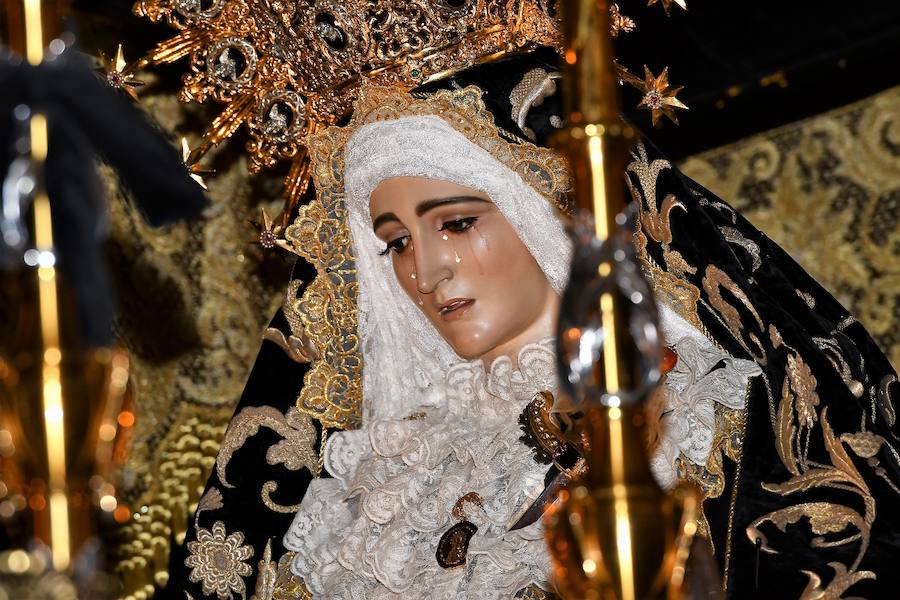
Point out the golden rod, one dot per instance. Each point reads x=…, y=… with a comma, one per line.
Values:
x=51, y=374
x=613, y=535
x=620, y=504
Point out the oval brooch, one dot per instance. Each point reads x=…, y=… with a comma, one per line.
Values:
x=454, y=544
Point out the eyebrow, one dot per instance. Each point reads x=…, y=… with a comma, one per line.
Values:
x=426, y=206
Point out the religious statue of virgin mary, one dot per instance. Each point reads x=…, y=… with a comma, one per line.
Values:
x=390, y=444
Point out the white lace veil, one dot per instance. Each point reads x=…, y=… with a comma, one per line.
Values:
x=405, y=360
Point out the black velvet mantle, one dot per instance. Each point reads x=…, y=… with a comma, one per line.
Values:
x=825, y=510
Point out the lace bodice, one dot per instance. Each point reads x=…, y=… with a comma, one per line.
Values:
x=372, y=531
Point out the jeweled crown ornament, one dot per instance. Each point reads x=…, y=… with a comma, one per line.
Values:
x=288, y=69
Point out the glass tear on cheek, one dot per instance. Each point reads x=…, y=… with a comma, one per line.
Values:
x=412, y=275
x=456, y=256
x=444, y=237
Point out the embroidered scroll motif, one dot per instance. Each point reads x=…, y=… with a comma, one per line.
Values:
x=714, y=281
x=655, y=221
x=297, y=345
x=295, y=451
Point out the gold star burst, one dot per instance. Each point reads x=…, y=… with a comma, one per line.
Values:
x=118, y=75
x=659, y=98
x=269, y=232
x=194, y=169
x=667, y=4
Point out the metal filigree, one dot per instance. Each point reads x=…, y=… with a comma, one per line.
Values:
x=287, y=69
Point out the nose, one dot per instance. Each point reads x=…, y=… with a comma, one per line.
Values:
x=434, y=261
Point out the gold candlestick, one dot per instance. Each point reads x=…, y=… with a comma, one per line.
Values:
x=614, y=535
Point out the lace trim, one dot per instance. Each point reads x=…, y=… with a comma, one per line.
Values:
x=372, y=531
x=703, y=376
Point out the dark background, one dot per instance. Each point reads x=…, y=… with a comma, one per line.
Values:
x=746, y=66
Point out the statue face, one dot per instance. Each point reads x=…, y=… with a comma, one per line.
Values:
x=461, y=262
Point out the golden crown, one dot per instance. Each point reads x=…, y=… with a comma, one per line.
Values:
x=289, y=68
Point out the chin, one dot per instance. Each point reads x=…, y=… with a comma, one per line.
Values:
x=470, y=350
x=469, y=354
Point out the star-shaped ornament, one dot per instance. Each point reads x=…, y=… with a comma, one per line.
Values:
x=619, y=22
x=659, y=98
x=667, y=4
x=194, y=169
x=269, y=232
x=118, y=75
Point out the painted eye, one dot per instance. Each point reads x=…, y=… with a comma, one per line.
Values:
x=398, y=245
x=458, y=225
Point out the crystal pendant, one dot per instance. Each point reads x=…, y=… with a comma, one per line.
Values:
x=609, y=346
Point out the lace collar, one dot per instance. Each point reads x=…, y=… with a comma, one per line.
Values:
x=373, y=530
x=503, y=390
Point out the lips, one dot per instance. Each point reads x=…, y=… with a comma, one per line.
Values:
x=455, y=308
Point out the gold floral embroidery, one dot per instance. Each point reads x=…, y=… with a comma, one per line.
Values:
x=265, y=575
x=803, y=384
x=295, y=451
x=676, y=293
x=297, y=345
x=218, y=562
x=276, y=582
x=799, y=400
x=715, y=279
x=287, y=585
x=682, y=297
x=211, y=500
x=655, y=220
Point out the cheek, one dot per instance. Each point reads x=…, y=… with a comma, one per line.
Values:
x=403, y=269
x=496, y=255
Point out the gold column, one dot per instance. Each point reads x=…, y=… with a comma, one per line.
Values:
x=614, y=534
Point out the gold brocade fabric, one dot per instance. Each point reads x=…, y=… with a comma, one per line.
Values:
x=827, y=190
x=194, y=299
